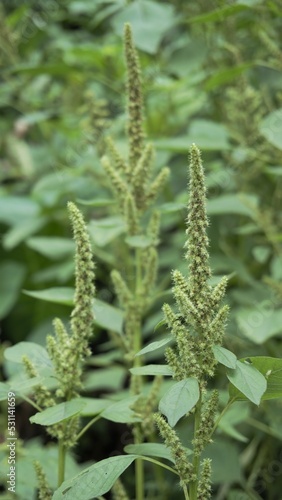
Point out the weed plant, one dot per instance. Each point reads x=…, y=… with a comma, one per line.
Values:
x=173, y=410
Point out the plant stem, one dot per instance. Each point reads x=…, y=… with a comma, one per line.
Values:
x=196, y=460
x=61, y=462
x=87, y=426
x=230, y=402
x=186, y=494
x=137, y=343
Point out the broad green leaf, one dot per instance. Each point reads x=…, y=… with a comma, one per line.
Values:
x=24, y=385
x=58, y=413
x=271, y=128
x=142, y=16
x=94, y=406
x=121, y=411
x=226, y=75
x=4, y=389
x=152, y=450
x=58, y=295
x=111, y=379
x=260, y=323
x=15, y=208
x=154, y=346
x=208, y=135
x=248, y=380
x=97, y=202
x=218, y=14
x=52, y=247
x=138, y=241
x=95, y=480
x=19, y=232
x=107, y=316
x=103, y=231
x=238, y=413
x=224, y=356
x=11, y=278
x=232, y=204
x=179, y=400
x=261, y=253
x=171, y=207
x=152, y=370
x=35, y=353
x=271, y=369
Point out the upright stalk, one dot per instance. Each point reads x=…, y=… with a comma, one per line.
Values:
x=61, y=462
x=196, y=460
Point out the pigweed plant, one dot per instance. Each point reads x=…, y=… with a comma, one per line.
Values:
x=196, y=333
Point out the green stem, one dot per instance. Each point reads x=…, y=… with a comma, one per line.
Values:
x=87, y=426
x=61, y=462
x=186, y=494
x=157, y=462
x=230, y=402
x=137, y=345
x=196, y=460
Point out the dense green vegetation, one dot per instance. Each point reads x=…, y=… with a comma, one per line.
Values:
x=211, y=75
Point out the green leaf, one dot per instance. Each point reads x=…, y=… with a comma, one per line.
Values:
x=58, y=295
x=4, y=389
x=226, y=75
x=224, y=356
x=271, y=128
x=35, y=353
x=271, y=369
x=218, y=14
x=208, y=135
x=154, y=346
x=142, y=16
x=138, y=241
x=179, y=400
x=94, y=406
x=15, y=208
x=121, y=411
x=58, y=413
x=152, y=370
x=11, y=278
x=97, y=202
x=235, y=415
x=231, y=204
x=19, y=232
x=171, y=207
x=111, y=378
x=107, y=316
x=95, y=480
x=105, y=230
x=248, y=380
x=261, y=323
x=152, y=450
x=54, y=248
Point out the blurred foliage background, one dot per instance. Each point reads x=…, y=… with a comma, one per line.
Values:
x=212, y=74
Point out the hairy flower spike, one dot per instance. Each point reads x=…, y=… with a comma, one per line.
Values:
x=141, y=174
x=118, y=160
x=154, y=227
x=118, y=491
x=45, y=492
x=204, y=486
x=131, y=215
x=121, y=288
x=118, y=184
x=82, y=315
x=156, y=186
x=204, y=431
x=197, y=222
x=135, y=99
x=172, y=441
